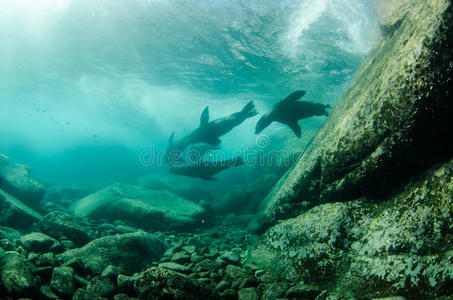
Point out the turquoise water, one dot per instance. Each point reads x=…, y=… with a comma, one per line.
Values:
x=88, y=85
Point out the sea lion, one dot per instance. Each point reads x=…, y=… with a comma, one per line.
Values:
x=175, y=149
x=205, y=169
x=288, y=111
x=209, y=132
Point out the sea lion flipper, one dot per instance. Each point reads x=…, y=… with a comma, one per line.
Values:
x=294, y=96
x=295, y=128
x=204, y=119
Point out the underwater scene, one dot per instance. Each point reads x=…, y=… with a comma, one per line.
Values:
x=226, y=149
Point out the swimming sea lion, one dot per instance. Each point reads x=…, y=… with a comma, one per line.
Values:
x=288, y=111
x=175, y=149
x=205, y=169
x=209, y=132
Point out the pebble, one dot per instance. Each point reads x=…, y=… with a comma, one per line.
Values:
x=231, y=258
x=175, y=267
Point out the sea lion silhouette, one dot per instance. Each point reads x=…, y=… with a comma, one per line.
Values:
x=205, y=169
x=288, y=111
x=175, y=149
x=209, y=132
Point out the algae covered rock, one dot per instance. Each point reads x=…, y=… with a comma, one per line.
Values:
x=393, y=121
x=158, y=283
x=62, y=281
x=17, y=181
x=145, y=208
x=130, y=252
x=16, y=274
x=316, y=238
x=400, y=246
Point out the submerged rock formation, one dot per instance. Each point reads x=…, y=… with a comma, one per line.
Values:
x=20, y=195
x=382, y=165
x=17, y=181
x=14, y=213
x=393, y=122
x=143, y=207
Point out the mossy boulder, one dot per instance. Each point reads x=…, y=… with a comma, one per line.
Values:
x=130, y=252
x=16, y=275
x=159, y=283
x=400, y=246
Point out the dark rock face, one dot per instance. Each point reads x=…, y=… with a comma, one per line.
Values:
x=130, y=252
x=62, y=225
x=158, y=284
x=393, y=122
x=17, y=181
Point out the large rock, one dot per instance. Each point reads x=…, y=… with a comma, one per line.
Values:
x=16, y=274
x=130, y=252
x=62, y=281
x=159, y=283
x=142, y=207
x=401, y=246
x=38, y=242
x=62, y=225
x=17, y=181
x=393, y=121
x=14, y=213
